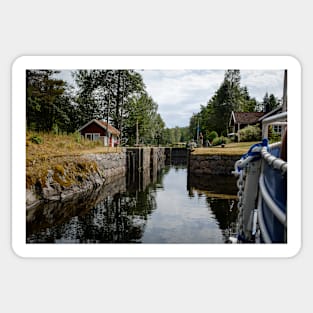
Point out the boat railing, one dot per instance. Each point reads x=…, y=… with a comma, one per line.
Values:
x=266, y=204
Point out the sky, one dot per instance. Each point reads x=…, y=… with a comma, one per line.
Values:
x=179, y=93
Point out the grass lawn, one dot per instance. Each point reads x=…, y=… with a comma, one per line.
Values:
x=237, y=148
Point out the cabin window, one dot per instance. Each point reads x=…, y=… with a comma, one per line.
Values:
x=88, y=136
x=277, y=129
x=92, y=136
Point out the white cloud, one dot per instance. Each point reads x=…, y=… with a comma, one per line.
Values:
x=179, y=93
x=260, y=82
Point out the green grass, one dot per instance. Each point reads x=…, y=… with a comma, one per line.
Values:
x=229, y=149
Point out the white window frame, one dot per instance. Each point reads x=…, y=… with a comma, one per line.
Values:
x=277, y=129
x=92, y=135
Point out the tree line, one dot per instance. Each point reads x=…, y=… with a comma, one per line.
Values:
x=120, y=98
x=116, y=96
x=230, y=96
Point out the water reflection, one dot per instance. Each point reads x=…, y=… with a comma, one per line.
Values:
x=169, y=207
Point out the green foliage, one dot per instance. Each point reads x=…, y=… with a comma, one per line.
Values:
x=176, y=135
x=142, y=113
x=230, y=96
x=77, y=136
x=36, y=139
x=220, y=140
x=272, y=136
x=270, y=102
x=120, y=97
x=250, y=133
x=43, y=98
x=212, y=135
x=116, y=95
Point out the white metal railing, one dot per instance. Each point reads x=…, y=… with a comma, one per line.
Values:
x=263, y=196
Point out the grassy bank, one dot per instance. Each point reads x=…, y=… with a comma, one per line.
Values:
x=229, y=149
x=62, y=154
x=44, y=145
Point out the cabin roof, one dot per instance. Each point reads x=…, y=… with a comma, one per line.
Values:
x=104, y=125
x=246, y=117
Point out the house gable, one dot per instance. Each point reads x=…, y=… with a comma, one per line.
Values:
x=247, y=118
x=93, y=128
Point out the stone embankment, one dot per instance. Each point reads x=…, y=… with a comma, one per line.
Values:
x=212, y=164
x=60, y=178
x=66, y=176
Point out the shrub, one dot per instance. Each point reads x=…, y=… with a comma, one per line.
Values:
x=220, y=140
x=77, y=136
x=250, y=133
x=36, y=139
x=212, y=135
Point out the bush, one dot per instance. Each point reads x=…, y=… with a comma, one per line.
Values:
x=212, y=135
x=36, y=139
x=250, y=133
x=77, y=136
x=220, y=140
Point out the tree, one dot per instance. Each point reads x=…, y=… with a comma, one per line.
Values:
x=230, y=96
x=106, y=94
x=44, y=99
x=270, y=102
x=142, y=110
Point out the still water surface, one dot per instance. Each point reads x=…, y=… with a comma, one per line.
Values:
x=174, y=207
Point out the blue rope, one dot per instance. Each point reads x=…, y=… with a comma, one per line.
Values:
x=250, y=152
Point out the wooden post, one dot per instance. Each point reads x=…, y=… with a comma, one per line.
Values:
x=137, y=134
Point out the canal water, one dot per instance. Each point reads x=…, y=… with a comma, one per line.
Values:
x=173, y=207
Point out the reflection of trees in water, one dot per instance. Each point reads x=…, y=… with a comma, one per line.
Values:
x=117, y=214
x=219, y=184
x=226, y=212
x=119, y=218
x=224, y=207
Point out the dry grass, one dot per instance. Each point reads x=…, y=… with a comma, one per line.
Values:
x=229, y=149
x=60, y=153
x=62, y=145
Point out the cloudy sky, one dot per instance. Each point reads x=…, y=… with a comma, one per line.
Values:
x=179, y=93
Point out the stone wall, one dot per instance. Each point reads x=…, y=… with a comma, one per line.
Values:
x=212, y=164
x=70, y=175
x=109, y=164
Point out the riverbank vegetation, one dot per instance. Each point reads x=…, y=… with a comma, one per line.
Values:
x=60, y=154
x=42, y=145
